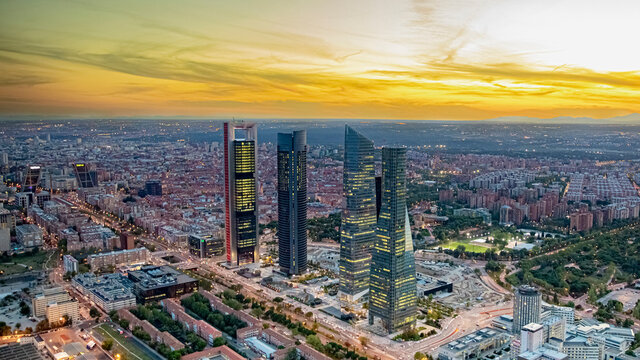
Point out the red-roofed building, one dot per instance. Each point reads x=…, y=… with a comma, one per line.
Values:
x=220, y=351
x=200, y=327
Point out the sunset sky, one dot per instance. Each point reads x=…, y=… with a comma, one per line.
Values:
x=391, y=59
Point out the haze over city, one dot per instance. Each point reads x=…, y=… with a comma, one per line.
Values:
x=319, y=180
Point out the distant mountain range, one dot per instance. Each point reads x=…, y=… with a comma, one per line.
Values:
x=633, y=119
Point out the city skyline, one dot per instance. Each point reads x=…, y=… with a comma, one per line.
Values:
x=461, y=60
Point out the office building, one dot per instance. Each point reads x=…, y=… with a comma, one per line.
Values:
x=358, y=216
x=153, y=283
x=70, y=264
x=292, y=202
x=153, y=187
x=29, y=235
x=475, y=345
x=5, y=229
x=117, y=258
x=108, y=292
x=565, y=312
x=240, y=193
x=393, y=275
x=205, y=246
x=86, y=177
x=41, y=197
x=31, y=179
x=527, y=307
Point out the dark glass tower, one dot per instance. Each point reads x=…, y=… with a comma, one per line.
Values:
x=392, y=295
x=292, y=202
x=153, y=187
x=358, y=216
x=31, y=179
x=86, y=177
x=240, y=191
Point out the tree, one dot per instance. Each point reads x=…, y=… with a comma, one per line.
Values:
x=308, y=315
x=363, y=340
x=107, y=344
x=18, y=326
x=113, y=315
x=314, y=342
x=94, y=313
x=219, y=341
x=418, y=356
x=292, y=354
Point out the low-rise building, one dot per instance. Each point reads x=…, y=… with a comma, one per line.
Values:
x=29, y=235
x=200, y=327
x=109, y=291
x=153, y=283
x=474, y=345
x=116, y=258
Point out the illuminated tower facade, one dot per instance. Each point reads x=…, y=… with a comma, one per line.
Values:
x=240, y=193
x=392, y=295
x=292, y=202
x=357, y=233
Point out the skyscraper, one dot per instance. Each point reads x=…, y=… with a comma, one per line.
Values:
x=86, y=177
x=358, y=216
x=527, y=307
x=292, y=202
x=393, y=275
x=240, y=193
x=31, y=179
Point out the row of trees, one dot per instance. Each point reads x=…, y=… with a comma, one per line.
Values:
x=200, y=306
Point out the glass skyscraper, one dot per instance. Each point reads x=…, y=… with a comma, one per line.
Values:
x=292, y=202
x=393, y=296
x=86, y=177
x=358, y=216
x=240, y=193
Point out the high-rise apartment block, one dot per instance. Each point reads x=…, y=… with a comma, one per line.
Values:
x=240, y=193
x=292, y=202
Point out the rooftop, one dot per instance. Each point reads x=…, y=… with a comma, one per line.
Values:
x=150, y=277
x=20, y=352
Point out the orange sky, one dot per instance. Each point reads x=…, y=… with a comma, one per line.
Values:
x=400, y=59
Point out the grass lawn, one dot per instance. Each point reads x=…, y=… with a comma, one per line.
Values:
x=468, y=246
x=22, y=263
x=123, y=345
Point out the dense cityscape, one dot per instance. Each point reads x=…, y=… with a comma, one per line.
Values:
x=232, y=240
x=319, y=180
